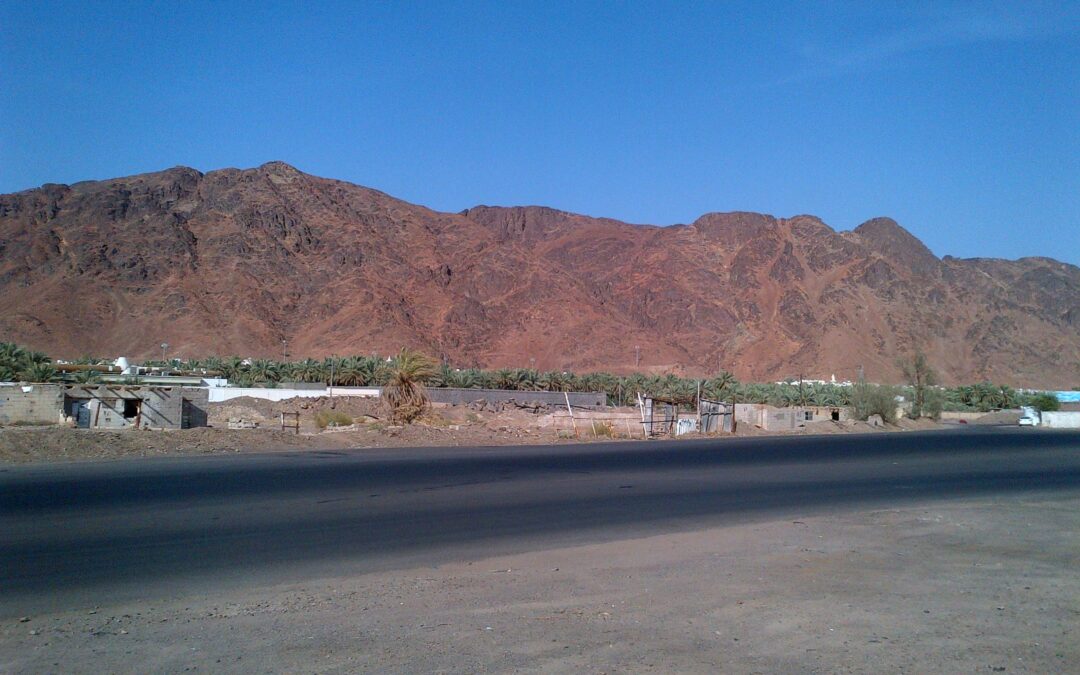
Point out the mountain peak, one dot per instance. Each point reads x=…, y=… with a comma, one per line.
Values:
x=733, y=228
x=890, y=239
x=279, y=168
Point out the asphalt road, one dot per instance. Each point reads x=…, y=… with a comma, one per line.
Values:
x=73, y=534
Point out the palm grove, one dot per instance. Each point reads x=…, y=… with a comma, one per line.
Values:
x=924, y=396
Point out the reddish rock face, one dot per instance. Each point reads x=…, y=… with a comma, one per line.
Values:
x=233, y=261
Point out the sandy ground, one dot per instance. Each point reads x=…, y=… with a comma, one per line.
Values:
x=987, y=585
x=444, y=426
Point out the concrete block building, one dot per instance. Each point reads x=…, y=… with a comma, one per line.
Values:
x=104, y=406
x=780, y=419
x=31, y=404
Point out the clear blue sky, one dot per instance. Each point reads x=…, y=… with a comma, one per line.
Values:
x=962, y=121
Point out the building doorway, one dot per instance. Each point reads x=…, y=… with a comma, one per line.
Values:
x=132, y=408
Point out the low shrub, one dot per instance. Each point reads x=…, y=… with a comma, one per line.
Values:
x=874, y=399
x=332, y=418
x=603, y=429
x=434, y=420
x=933, y=403
x=1045, y=402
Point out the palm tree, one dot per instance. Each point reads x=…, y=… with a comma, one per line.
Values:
x=355, y=371
x=550, y=381
x=633, y=385
x=212, y=364
x=308, y=370
x=1004, y=397
x=471, y=378
x=983, y=396
x=754, y=393
x=607, y=383
x=232, y=368
x=528, y=379
x=11, y=353
x=568, y=381
x=38, y=372
x=968, y=396
x=720, y=387
x=443, y=376
x=404, y=392
x=504, y=378
x=264, y=370
x=87, y=377
x=36, y=357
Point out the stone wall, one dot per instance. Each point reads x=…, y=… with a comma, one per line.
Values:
x=455, y=396
x=195, y=407
x=31, y=404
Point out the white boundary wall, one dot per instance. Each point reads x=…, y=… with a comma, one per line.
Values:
x=220, y=394
x=1061, y=420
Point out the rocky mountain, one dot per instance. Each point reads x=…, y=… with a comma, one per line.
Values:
x=235, y=261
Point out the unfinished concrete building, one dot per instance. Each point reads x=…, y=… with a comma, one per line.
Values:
x=104, y=406
x=781, y=419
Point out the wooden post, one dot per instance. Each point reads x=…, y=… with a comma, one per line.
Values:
x=699, y=406
x=571, y=411
x=296, y=422
x=641, y=409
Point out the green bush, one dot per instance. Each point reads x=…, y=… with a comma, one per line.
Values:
x=332, y=418
x=933, y=403
x=1045, y=402
x=874, y=399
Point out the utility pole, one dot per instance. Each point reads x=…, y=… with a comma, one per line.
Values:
x=164, y=348
x=332, y=360
x=802, y=397
x=284, y=351
x=637, y=356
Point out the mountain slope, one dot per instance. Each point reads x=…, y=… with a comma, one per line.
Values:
x=234, y=261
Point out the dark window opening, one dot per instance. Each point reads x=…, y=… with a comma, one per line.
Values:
x=836, y=416
x=809, y=416
x=131, y=407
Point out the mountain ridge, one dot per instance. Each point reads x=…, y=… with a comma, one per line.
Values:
x=234, y=260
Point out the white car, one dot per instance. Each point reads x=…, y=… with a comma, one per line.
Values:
x=1029, y=417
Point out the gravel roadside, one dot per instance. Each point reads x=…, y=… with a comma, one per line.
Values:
x=985, y=585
